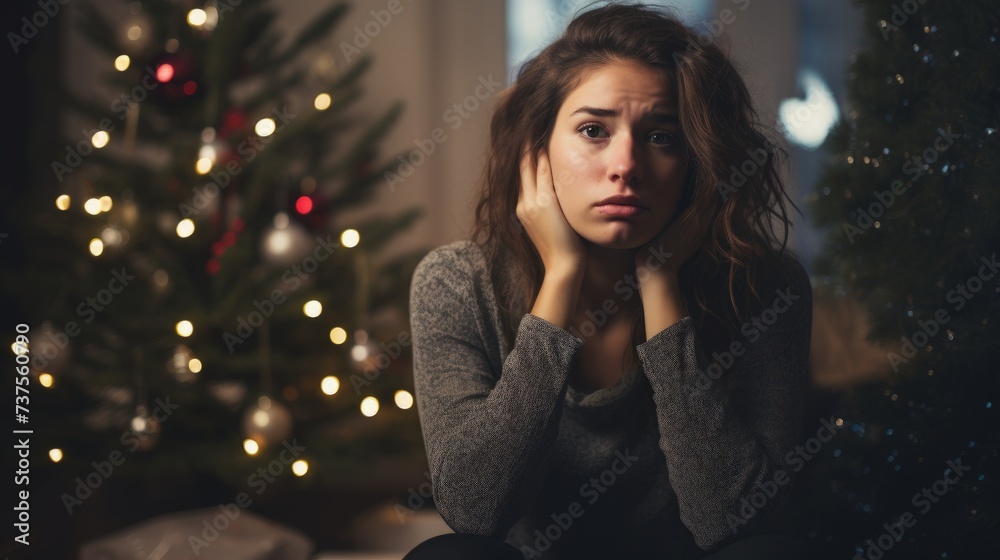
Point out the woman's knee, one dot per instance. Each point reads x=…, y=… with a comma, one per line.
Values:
x=461, y=547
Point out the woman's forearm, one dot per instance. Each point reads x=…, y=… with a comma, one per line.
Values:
x=662, y=302
x=557, y=298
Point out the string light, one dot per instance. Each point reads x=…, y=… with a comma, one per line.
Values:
x=92, y=206
x=100, y=139
x=322, y=102
x=207, y=152
x=211, y=18
x=264, y=127
x=303, y=205
x=330, y=385
x=350, y=238
x=203, y=165
x=62, y=202
x=134, y=33
x=197, y=17
x=96, y=247
x=300, y=467
x=164, y=72
x=106, y=203
x=194, y=365
x=184, y=328
x=55, y=454
x=122, y=62
x=369, y=406
x=338, y=335
x=404, y=399
x=312, y=308
x=250, y=447
x=45, y=379
x=185, y=228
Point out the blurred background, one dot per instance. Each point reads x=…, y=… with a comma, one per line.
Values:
x=212, y=211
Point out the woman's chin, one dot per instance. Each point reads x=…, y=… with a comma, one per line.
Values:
x=618, y=241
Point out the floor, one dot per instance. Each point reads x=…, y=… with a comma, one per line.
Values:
x=388, y=537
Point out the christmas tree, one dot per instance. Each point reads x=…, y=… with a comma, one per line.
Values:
x=910, y=199
x=194, y=296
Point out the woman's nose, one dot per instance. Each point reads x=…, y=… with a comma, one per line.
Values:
x=624, y=164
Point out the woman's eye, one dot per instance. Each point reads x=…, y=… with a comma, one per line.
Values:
x=661, y=138
x=593, y=131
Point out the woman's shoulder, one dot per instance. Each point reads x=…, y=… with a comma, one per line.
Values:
x=455, y=263
x=782, y=274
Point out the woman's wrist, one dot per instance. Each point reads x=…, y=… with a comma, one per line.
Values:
x=662, y=302
x=557, y=297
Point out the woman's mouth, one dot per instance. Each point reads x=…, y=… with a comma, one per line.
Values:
x=623, y=206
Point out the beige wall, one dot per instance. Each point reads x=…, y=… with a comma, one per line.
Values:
x=431, y=55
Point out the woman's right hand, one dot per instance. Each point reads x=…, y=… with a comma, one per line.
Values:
x=560, y=247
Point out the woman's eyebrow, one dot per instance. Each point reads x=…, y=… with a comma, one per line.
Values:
x=598, y=112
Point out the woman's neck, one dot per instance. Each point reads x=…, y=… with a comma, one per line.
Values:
x=610, y=275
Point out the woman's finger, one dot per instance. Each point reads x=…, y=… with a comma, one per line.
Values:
x=526, y=191
x=545, y=192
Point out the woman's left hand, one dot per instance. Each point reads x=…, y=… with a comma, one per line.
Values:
x=664, y=255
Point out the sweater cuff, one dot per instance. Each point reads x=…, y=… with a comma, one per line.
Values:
x=670, y=359
x=550, y=347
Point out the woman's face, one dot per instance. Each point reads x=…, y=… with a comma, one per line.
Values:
x=617, y=135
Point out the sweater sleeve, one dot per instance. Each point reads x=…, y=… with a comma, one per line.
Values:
x=487, y=433
x=720, y=456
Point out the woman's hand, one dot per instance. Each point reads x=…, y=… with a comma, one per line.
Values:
x=674, y=245
x=658, y=264
x=559, y=246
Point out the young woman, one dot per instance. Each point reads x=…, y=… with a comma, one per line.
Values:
x=614, y=365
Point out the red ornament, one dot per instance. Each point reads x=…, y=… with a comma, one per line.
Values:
x=177, y=75
x=303, y=205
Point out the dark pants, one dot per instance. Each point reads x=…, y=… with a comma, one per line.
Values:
x=769, y=546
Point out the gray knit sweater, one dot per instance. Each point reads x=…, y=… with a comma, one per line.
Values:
x=643, y=468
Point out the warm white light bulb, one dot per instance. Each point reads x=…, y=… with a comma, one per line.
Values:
x=369, y=406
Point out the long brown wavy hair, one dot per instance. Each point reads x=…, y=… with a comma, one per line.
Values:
x=721, y=134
